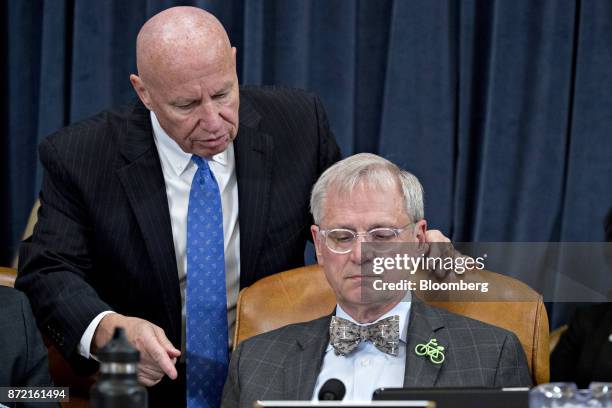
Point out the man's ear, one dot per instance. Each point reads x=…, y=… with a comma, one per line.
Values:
x=420, y=229
x=314, y=230
x=141, y=90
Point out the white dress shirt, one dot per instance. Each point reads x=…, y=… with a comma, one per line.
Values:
x=178, y=170
x=366, y=368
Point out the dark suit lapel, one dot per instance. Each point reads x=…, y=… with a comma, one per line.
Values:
x=424, y=325
x=253, y=149
x=303, y=366
x=143, y=181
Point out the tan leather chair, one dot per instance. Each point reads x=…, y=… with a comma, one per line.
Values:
x=32, y=219
x=7, y=276
x=303, y=294
x=555, y=336
x=61, y=372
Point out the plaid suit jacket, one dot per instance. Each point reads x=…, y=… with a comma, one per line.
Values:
x=284, y=364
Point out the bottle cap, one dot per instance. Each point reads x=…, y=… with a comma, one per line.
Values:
x=118, y=350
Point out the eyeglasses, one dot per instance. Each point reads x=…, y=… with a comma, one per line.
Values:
x=342, y=240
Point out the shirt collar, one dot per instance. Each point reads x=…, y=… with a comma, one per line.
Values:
x=177, y=158
x=402, y=309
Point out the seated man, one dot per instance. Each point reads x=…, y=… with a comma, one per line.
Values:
x=351, y=199
x=24, y=356
x=584, y=352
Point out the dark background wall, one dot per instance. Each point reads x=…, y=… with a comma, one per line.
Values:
x=502, y=108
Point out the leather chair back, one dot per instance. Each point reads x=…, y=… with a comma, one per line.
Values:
x=7, y=276
x=303, y=294
x=29, y=229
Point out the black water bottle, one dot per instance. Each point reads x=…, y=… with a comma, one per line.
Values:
x=118, y=386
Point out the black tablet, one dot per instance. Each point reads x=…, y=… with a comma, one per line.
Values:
x=459, y=397
x=374, y=404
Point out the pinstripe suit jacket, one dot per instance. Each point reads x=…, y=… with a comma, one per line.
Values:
x=104, y=240
x=284, y=364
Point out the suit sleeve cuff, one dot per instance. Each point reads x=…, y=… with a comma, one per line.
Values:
x=85, y=344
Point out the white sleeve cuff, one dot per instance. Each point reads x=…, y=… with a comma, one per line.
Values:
x=87, y=337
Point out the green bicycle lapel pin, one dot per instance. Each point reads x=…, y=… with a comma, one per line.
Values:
x=432, y=350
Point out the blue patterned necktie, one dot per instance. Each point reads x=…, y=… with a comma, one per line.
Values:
x=206, y=308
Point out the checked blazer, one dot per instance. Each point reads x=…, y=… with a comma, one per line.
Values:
x=103, y=240
x=284, y=364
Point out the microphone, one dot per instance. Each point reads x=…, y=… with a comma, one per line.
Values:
x=332, y=390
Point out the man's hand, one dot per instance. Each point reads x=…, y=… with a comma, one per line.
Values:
x=435, y=236
x=439, y=246
x=157, y=354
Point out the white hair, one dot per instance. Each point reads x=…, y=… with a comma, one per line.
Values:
x=371, y=170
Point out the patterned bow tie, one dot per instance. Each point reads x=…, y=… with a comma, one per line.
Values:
x=345, y=335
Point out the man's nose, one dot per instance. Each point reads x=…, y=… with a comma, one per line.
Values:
x=360, y=253
x=209, y=117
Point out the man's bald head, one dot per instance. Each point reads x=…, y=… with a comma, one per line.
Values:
x=180, y=37
x=187, y=77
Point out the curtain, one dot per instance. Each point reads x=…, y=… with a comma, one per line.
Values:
x=503, y=109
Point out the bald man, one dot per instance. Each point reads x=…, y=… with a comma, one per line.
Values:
x=155, y=214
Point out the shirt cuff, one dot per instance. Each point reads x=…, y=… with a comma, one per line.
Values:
x=85, y=344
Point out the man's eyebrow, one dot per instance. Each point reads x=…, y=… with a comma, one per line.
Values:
x=370, y=227
x=341, y=226
x=182, y=99
x=381, y=225
x=226, y=86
